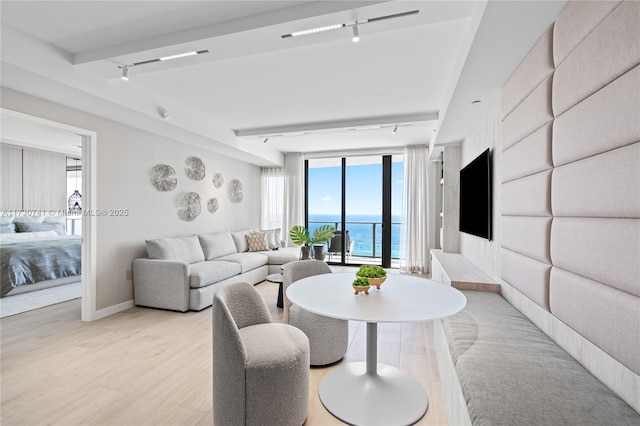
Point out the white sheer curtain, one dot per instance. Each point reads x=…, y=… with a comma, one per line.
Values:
x=272, y=198
x=293, y=207
x=414, y=243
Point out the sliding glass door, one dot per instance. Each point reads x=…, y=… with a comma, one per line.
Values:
x=361, y=195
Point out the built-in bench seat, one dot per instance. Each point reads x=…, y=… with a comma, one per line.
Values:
x=509, y=372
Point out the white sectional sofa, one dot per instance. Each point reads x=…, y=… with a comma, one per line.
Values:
x=182, y=273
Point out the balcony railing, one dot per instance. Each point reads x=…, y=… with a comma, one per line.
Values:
x=367, y=237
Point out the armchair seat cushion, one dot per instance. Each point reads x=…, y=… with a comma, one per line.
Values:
x=247, y=261
x=206, y=273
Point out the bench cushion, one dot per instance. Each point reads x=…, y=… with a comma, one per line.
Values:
x=207, y=273
x=247, y=261
x=511, y=373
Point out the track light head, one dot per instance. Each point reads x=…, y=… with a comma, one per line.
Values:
x=125, y=73
x=265, y=140
x=395, y=130
x=356, y=34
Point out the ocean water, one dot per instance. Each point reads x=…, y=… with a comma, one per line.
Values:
x=365, y=231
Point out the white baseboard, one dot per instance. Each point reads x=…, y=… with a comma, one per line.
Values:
x=114, y=309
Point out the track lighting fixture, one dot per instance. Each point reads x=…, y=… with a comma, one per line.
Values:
x=125, y=68
x=354, y=25
x=395, y=130
x=266, y=140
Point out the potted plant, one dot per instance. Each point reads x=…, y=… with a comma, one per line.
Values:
x=300, y=236
x=361, y=284
x=374, y=274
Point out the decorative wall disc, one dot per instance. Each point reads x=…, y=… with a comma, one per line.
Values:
x=190, y=207
x=234, y=188
x=195, y=168
x=161, y=177
x=218, y=180
x=213, y=205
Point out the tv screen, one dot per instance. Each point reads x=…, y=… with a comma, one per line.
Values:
x=475, y=196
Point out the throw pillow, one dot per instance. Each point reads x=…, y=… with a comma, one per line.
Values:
x=257, y=241
x=36, y=227
x=273, y=237
x=9, y=228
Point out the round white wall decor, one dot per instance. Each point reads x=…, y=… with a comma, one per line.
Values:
x=195, y=168
x=218, y=180
x=213, y=205
x=190, y=207
x=234, y=189
x=161, y=177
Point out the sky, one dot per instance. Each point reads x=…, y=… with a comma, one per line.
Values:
x=364, y=189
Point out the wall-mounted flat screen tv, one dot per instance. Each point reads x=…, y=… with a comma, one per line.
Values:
x=475, y=196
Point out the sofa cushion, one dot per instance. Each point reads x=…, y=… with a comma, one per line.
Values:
x=217, y=244
x=247, y=261
x=283, y=255
x=273, y=237
x=212, y=271
x=257, y=241
x=183, y=249
x=240, y=239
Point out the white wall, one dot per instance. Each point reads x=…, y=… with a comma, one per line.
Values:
x=487, y=133
x=125, y=156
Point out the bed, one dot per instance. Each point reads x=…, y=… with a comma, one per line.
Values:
x=33, y=259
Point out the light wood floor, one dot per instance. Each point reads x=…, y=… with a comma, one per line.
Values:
x=153, y=367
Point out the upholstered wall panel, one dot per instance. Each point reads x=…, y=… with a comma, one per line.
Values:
x=529, y=276
x=608, y=317
x=528, y=236
x=537, y=66
x=531, y=114
x=529, y=196
x=606, y=120
x=529, y=156
x=612, y=49
x=575, y=22
x=603, y=249
x=605, y=185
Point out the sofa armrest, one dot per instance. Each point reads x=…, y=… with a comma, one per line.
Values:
x=161, y=284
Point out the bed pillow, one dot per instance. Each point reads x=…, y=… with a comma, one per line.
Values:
x=217, y=244
x=257, y=241
x=5, y=220
x=36, y=227
x=28, y=219
x=181, y=249
x=9, y=228
x=22, y=236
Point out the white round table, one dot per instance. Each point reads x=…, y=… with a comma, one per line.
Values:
x=370, y=393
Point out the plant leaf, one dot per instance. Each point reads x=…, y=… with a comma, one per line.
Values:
x=323, y=233
x=299, y=235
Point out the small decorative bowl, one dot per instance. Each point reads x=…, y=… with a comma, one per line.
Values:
x=377, y=282
x=359, y=288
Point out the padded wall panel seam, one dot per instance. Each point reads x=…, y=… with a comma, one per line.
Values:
x=602, y=249
x=608, y=52
x=532, y=71
x=527, y=275
x=608, y=119
x=604, y=185
x=529, y=156
x=532, y=113
x=604, y=315
x=576, y=21
x=528, y=196
x=528, y=236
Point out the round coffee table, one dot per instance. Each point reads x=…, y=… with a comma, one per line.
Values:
x=277, y=278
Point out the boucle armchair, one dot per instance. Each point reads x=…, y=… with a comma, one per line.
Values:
x=328, y=337
x=260, y=368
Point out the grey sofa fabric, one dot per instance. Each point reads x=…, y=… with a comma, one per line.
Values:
x=217, y=244
x=247, y=261
x=260, y=368
x=207, y=273
x=184, y=249
x=149, y=274
x=328, y=337
x=511, y=373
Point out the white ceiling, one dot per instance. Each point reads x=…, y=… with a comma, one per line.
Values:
x=420, y=71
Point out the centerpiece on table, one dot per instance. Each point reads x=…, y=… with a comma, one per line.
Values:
x=300, y=236
x=361, y=284
x=374, y=274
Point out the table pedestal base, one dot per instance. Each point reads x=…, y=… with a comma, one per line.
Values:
x=390, y=397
